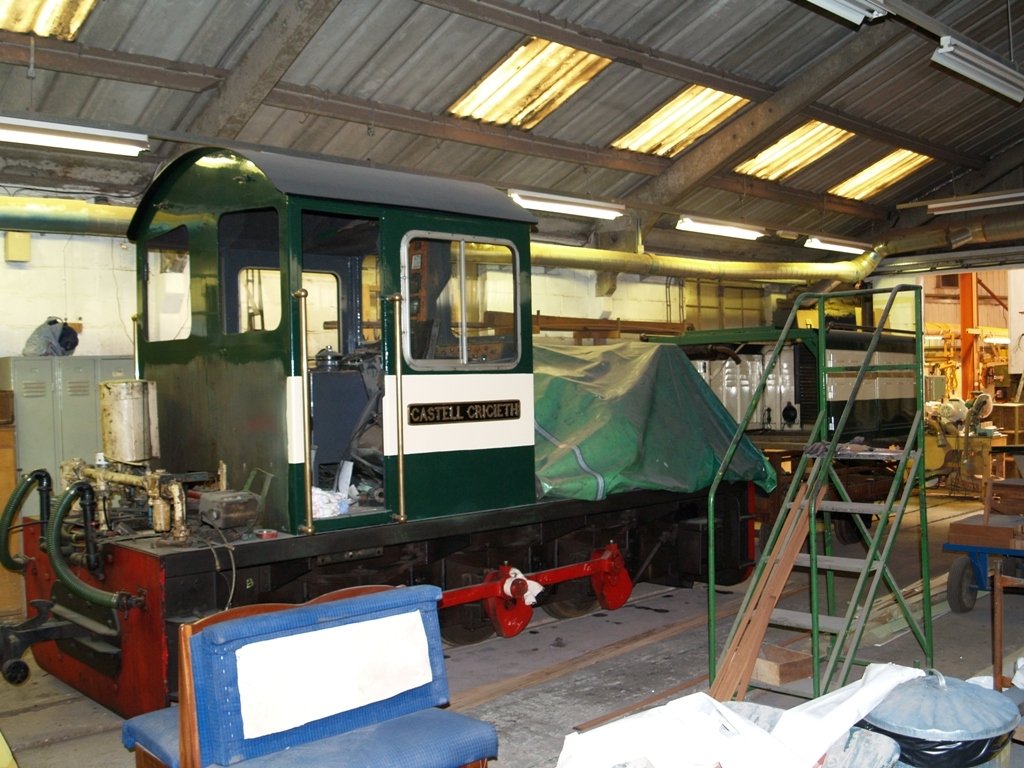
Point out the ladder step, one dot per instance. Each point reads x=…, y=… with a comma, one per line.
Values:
x=853, y=507
x=833, y=563
x=869, y=454
x=802, y=620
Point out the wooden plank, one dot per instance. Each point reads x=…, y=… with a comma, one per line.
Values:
x=737, y=661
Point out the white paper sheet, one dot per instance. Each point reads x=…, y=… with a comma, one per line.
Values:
x=293, y=680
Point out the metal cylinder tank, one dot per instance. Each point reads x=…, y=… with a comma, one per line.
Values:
x=128, y=420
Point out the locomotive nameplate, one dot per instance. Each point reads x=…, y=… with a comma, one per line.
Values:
x=461, y=413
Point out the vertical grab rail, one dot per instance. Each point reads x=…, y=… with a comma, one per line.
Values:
x=396, y=303
x=307, y=433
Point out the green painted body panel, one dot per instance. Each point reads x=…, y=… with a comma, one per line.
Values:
x=222, y=395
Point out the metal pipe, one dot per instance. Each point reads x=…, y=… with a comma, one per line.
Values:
x=307, y=437
x=115, y=600
x=647, y=263
x=64, y=216
x=41, y=477
x=396, y=303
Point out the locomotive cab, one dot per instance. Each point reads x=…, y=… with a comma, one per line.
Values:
x=256, y=266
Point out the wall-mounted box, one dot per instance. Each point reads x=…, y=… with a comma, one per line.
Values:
x=18, y=247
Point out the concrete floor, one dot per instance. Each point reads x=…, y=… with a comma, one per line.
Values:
x=556, y=676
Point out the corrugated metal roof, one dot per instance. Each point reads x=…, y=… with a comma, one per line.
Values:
x=374, y=81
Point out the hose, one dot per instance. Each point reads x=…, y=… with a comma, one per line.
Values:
x=104, y=599
x=41, y=477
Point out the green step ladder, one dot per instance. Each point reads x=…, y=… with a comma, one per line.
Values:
x=806, y=503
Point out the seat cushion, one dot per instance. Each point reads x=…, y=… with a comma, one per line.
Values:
x=430, y=738
x=156, y=732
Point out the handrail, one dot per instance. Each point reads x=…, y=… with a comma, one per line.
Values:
x=819, y=430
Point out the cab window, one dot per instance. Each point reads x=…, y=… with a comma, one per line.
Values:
x=460, y=302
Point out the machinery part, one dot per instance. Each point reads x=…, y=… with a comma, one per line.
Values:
x=228, y=509
x=15, y=671
x=128, y=420
x=118, y=600
x=961, y=589
x=611, y=583
x=15, y=639
x=508, y=594
x=509, y=612
x=38, y=477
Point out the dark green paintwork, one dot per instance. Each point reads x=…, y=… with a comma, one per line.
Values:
x=222, y=396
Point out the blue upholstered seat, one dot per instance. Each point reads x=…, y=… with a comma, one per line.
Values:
x=362, y=680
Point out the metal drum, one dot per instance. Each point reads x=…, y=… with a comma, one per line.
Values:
x=128, y=420
x=941, y=722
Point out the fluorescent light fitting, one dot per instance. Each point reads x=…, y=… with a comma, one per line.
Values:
x=15, y=130
x=571, y=206
x=979, y=67
x=854, y=11
x=840, y=246
x=719, y=228
x=1004, y=340
x=979, y=202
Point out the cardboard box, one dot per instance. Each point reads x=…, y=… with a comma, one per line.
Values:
x=6, y=406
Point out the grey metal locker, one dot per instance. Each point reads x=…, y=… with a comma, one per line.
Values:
x=35, y=411
x=56, y=407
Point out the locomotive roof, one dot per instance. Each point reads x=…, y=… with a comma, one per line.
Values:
x=311, y=177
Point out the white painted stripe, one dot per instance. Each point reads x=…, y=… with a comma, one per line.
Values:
x=459, y=388
x=293, y=418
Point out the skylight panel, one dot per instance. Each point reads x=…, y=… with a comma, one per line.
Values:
x=693, y=113
x=795, y=151
x=60, y=19
x=881, y=175
x=529, y=84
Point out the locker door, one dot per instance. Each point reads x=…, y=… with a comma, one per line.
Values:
x=32, y=380
x=79, y=408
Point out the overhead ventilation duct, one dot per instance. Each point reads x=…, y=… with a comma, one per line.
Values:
x=77, y=217
x=63, y=216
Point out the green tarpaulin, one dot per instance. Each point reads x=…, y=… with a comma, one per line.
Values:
x=629, y=416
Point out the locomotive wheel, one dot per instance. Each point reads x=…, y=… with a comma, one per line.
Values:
x=845, y=530
x=465, y=624
x=462, y=624
x=571, y=599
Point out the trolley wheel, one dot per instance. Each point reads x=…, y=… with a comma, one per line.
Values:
x=15, y=671
x=961, y=590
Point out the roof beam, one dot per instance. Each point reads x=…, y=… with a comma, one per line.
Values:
x=529, y=22
x=240, y=94
x=751, y=186
x=161, y=73
x=745, y=133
